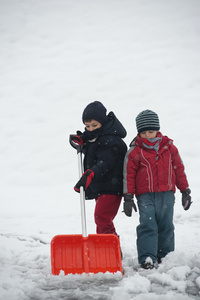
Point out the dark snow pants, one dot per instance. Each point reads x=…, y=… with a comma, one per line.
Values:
x=105, y=211
x=155, y=233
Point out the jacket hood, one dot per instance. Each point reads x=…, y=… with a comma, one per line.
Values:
x=113, y=126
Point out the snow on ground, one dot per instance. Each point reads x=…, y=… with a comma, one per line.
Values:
x=55, y=58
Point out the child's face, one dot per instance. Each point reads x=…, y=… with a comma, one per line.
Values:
x=148, y=134
x=92, y=125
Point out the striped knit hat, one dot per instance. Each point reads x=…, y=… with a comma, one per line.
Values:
x=147, y=120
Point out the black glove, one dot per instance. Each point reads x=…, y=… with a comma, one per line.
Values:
x=84, y=181
x=76, y=138
x=186, y=199
x=129, y=204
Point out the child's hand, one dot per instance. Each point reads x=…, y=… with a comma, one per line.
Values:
x=84, y=181
x=186, y=199
x=129, y=205
x=77, y=139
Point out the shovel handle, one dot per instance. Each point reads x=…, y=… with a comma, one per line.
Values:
x=74, y=145
x=83, y=213
x=82, y=193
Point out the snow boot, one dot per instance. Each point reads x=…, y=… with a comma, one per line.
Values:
x=147, y=264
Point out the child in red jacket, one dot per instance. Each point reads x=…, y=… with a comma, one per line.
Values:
x=152, y=170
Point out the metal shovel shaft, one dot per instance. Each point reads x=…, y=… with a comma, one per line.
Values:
x=82, y=196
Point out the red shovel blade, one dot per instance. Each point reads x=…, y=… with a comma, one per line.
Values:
x=75, y=254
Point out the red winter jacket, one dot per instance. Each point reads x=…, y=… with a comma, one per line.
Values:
x=146, y=171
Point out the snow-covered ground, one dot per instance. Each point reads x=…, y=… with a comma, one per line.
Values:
x=56, y=56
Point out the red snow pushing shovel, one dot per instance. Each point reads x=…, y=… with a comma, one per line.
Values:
x=93, y=253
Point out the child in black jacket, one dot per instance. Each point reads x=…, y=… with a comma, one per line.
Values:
x=104, y=152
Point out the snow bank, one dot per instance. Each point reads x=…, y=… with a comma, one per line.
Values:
x=56, y=57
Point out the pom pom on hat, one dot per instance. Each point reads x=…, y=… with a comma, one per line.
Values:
x=96, y=111
x=147, y=120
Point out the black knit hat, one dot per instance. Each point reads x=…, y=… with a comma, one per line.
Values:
x=147, y=120
x=96, y=111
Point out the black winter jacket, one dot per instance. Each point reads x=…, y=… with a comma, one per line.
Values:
x=104, y=152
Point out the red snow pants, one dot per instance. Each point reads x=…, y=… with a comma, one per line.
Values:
x=105, y=211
